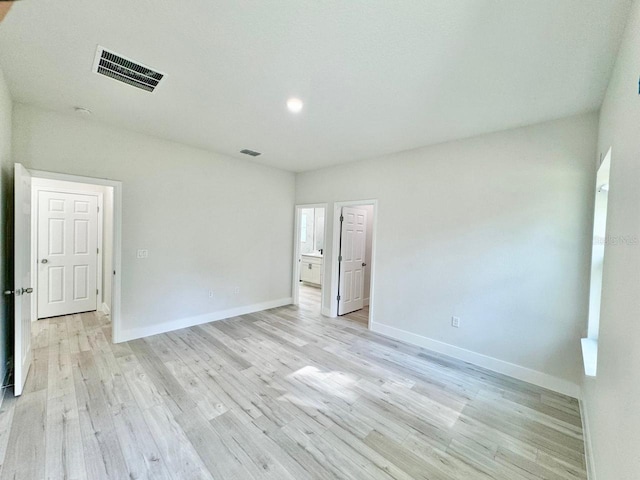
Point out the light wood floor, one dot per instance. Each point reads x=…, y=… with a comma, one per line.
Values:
x=310, y=300
x=282, y=394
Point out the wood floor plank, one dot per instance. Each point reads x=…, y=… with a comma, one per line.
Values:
x=280, y=394
x=26, y=449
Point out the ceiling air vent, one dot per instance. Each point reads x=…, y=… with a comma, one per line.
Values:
x=250, y=152
x=127, y=71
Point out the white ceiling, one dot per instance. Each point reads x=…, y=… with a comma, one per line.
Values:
x=377, y=76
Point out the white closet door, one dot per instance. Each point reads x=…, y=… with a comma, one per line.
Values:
x=67, y=253
x=353, y=235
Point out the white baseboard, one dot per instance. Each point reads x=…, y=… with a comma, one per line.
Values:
x=326, y=312
x=525, y=374
x=140, y=332
x=586, y=435
x=105, y=309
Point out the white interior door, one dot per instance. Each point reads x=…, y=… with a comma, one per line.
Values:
x=353, y=235
x=22, y=277
x=67, y=253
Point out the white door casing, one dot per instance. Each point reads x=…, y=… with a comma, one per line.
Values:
x=22, y=277
x=67, y=253
x=353, y=234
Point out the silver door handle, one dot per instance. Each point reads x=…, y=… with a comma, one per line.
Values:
x=44, y=260
x=18, y=292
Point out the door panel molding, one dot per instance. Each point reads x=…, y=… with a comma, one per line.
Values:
x=330, y=305
x=22, y=281
x=353, y=242
x=69, y=236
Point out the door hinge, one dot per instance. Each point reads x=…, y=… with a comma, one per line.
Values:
x=341, y=219
x=97, y=250
x=338, y=297
x=98, y=208
x=340, y=258
x=97, y=291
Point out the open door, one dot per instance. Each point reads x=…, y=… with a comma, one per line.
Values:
x=22, y=277
x=353, y=236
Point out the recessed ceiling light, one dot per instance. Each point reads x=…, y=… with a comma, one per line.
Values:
x=295, y=105
x=82, y=110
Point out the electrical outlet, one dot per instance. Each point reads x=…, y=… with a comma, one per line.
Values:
x=236, y=290
x=210, y=293
x=142, y=253
x=455, y=322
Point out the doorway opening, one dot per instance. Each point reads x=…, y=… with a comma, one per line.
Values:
x=353, y=266
x=64, y=230
x=309, y=262
x=71, y=248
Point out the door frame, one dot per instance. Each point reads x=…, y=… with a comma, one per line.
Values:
x=335, y=252
x=35, y=221
x=295, y=279
x=116, y=294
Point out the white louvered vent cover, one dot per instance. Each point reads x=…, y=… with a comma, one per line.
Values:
x=127, y=71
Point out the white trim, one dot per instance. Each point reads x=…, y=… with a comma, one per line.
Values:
x=590, y=356
x=105, y=308
x=333, y=299
x=366, y=302
x=35, y=224
x=295, y=279
x=171, y=325
x=586, y=435
x=117, y=238
x=525, y=374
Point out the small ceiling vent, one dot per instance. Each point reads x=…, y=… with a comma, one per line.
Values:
x=127, y=71
x=250, y=152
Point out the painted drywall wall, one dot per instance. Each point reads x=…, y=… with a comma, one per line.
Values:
x=104, y=299
x=494, y=229
x=197, y=214
x=6, y=189
x=611, y=399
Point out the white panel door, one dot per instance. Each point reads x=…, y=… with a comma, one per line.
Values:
x=353, y=235
x=22, y=277
x=67, y=253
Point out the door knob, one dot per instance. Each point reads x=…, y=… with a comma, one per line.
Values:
x=364, y=264
x=27, y=290
x=8, y=292
x=44, y=260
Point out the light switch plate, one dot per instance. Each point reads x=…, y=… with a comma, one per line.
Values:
x=143, y=253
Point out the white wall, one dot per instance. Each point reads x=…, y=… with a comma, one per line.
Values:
x=107, y=232
x=197, y=213
x=6, y=179
x=612, y=399
x=494, y=229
